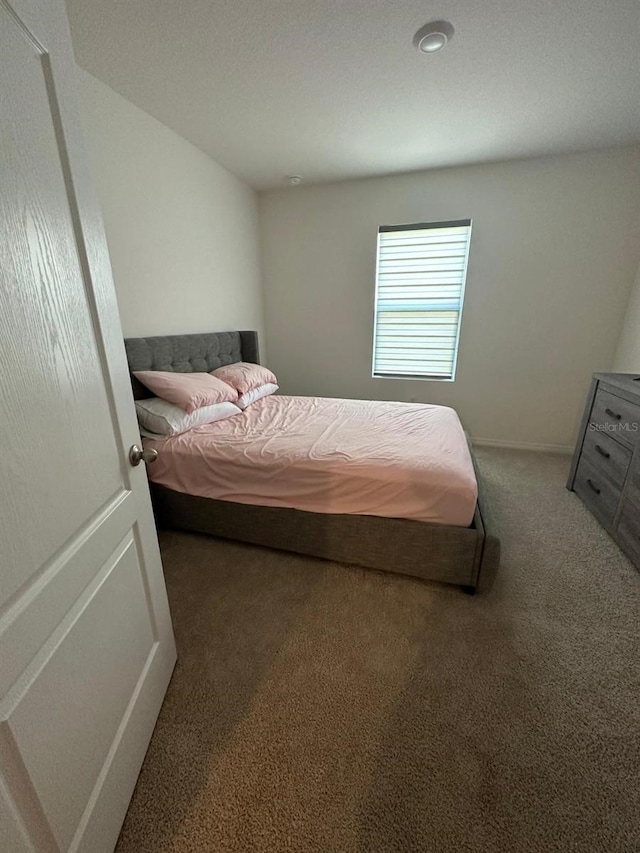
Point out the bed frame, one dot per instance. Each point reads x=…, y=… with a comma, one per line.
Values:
x=466, y=556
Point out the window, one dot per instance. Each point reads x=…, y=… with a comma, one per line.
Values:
x=420, y=282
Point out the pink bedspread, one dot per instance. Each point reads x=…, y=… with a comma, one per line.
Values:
x=398, y=460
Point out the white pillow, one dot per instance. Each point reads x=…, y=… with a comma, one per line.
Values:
x=159, y=418
x=256, y=394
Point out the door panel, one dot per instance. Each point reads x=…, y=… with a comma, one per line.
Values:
x=38, y=611
x=88, y=670
x=85, y=631
x=49, y=443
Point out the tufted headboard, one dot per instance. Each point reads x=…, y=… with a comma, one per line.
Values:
x=188, y=353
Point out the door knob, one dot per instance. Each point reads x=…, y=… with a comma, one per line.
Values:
x=138, y=455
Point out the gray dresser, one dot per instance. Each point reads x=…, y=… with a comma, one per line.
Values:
x=605, y=471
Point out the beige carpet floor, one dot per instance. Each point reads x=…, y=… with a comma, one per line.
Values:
x=319, y=707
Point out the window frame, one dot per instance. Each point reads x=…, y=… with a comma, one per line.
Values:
x=418, y=226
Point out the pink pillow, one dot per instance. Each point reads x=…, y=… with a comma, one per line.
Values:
x=188, y=391
x=244, y=376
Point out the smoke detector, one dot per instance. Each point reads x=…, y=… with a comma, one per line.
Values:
x=294, y=180
x=433, y=36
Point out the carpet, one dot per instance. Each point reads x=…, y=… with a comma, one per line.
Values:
x=320, y=707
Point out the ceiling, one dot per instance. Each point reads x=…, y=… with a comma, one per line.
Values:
x=334, y=89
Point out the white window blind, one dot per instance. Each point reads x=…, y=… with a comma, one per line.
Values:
x=419, y=295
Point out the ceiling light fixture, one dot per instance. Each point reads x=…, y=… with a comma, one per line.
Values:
x=433, y=36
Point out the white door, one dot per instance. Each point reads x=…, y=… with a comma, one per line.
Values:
x=86, y=643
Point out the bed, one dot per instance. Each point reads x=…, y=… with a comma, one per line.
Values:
x=444, y=534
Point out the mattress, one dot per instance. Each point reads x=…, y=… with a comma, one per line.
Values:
x=325, y=455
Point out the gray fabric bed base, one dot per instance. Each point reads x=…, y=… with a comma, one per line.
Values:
x=466, y=556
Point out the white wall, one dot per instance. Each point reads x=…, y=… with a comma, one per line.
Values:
x=182, y=231
x=553, y=255
x=628, y=353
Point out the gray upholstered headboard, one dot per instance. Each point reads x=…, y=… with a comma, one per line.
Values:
x=188, y=353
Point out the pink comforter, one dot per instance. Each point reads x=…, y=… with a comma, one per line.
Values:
x=398, y=460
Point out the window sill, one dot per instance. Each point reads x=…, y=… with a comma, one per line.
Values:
x=414, y=378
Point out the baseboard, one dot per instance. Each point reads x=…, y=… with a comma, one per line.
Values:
x=519, y=445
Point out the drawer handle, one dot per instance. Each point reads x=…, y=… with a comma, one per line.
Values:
x=613, y=414
x=593, y=487
x=602, y=452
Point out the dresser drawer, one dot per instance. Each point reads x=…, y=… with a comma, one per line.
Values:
x=628, y=531
x=615, y=417
x=596, y=491
x=607, y=456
